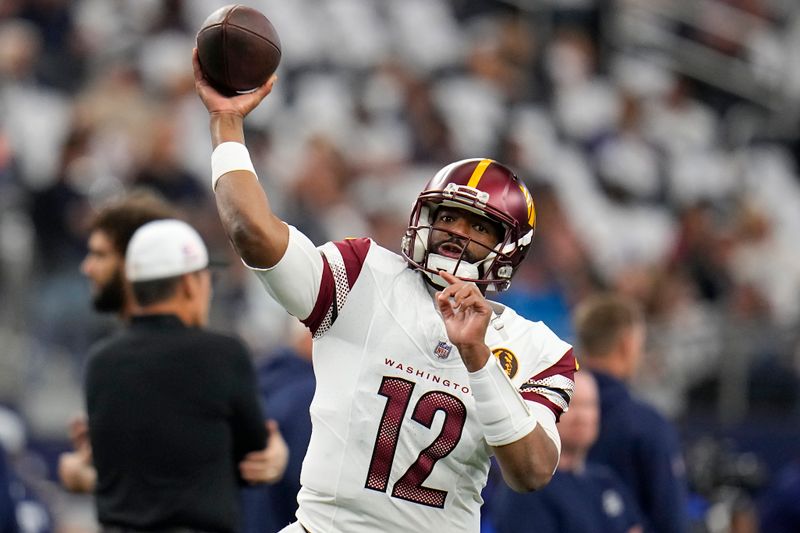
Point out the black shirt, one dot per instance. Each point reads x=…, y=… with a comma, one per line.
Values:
x=172, y=410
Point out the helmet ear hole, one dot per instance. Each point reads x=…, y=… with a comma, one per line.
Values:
x=505, y=271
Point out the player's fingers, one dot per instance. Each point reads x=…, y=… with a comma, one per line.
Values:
x=261, y=92
x=455, y=284
x=474, y=302
x=464, y=290
x=447, y=294
x=444, y=304
x=448, y=277
x=198, y=72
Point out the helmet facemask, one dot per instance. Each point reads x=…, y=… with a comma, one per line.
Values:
x=492, y=272
x=490, y=190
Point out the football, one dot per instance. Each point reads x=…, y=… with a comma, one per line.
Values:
x=238, y=49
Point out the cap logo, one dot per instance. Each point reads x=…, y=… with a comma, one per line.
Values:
x=477, y=174
x=507, y=360
x=190, y=251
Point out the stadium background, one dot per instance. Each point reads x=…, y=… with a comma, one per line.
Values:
x=659, y=139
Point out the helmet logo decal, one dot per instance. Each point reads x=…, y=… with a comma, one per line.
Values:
x=529, y=203
x=507, y=360
x=477, y=174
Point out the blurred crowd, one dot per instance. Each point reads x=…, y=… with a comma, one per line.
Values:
x=649, y=181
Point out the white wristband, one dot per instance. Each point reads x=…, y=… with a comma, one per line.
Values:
x=227, y=157
x=502, y=412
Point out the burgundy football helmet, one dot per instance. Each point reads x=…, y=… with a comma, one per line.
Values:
x=485, y=187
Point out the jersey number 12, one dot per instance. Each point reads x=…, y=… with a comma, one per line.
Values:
x=409, y=486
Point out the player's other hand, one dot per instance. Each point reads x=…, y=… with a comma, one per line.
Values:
x=269, y=464
x=216, y=103
x=466, y=315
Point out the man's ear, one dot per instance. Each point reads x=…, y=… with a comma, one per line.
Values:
x=630, y=348
x=189, y=286
x=625, y=342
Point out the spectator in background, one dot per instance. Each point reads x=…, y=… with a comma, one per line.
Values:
x=286, y=382
x=21, y=465
x=637, y=442
x=110, y=232
x=104, y=265
x=172, y=408
x=8, y=514
x=582, y=497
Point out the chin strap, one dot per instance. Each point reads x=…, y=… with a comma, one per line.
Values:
x=448, y=264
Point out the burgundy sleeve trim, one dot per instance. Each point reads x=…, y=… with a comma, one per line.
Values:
x=354, y=252
x=565, y=366
x=325, y=298
x=342, y=264
x=553, y=387
x=533, y=397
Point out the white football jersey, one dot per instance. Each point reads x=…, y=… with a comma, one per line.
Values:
x=396, y=444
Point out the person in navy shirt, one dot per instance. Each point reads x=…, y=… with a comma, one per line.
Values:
x=779, y=508
x=635, y=441
x=8, y=513
x=286, y=384
x=582, y=497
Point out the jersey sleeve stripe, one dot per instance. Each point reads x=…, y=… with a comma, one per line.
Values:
x=553, y=387
x=557, y=411
x=353, y=253
x=565, y=366
x=343, y=263
x=322, y=308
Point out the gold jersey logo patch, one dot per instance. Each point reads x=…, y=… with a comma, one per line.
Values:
x=507, y=360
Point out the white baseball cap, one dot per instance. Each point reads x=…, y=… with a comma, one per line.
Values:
x=164, y=249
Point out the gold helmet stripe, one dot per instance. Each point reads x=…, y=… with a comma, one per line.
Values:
x=477, y=174
x=529, y=203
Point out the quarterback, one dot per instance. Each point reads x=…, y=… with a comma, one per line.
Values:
x=420, y=378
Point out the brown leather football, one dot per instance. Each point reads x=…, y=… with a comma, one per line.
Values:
x=238, y=49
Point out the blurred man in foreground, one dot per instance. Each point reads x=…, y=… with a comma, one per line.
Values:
x=173, y=409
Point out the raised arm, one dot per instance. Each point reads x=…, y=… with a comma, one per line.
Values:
x=259, y=237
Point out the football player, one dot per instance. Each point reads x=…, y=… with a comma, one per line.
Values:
x=420, y=379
